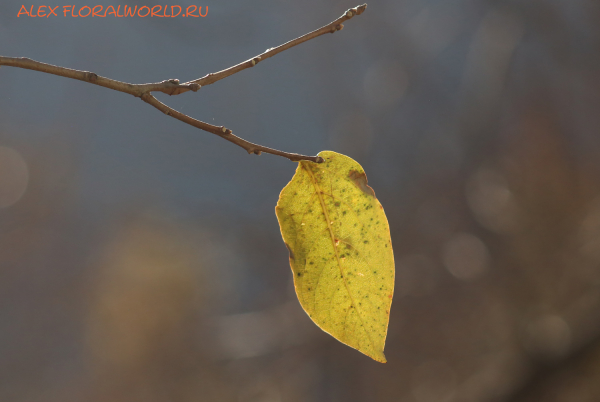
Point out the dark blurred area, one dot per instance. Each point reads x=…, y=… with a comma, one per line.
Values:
x=141, y=259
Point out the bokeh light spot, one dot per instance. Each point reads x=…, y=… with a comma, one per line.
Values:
x=465, y=256
x=14, y=176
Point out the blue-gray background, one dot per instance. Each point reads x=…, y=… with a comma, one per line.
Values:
x=141, y=260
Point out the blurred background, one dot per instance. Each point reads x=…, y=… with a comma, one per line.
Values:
x=141, y=259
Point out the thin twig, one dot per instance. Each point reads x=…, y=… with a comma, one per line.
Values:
x=225, y=132
x=173, y=87
x=329, y=28
x=167, y=86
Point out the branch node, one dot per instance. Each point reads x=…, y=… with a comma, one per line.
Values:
x=91, y=77
x=174, y=81
x=223, y=129
x=350, y=13
x=257, y=152
x=195, y=87
x=338, y=27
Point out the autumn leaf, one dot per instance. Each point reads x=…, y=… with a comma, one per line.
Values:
x=340, y=251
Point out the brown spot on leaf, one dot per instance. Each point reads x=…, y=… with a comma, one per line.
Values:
x=360, y=180
x=290, y=251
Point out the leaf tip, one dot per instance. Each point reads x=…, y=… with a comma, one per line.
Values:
x=379, y=357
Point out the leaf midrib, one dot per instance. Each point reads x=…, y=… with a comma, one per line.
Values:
x=320, y=195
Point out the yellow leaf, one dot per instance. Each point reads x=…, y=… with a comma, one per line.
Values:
x=340, y=251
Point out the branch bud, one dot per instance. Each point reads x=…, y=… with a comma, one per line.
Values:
x=91, y=77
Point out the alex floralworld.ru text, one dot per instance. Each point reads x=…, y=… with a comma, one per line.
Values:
x=102, y=12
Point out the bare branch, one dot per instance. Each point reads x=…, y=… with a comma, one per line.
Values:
x=329, y=28
x=167, y=86
x=225, y=132
x=173, y=87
